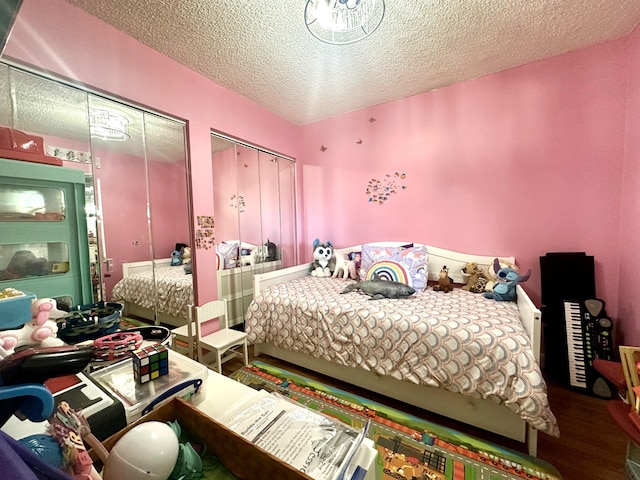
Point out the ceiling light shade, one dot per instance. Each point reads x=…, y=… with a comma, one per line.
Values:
x=108, y=125
x=343, y=21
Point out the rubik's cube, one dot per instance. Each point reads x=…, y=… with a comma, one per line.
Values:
x=150, y=363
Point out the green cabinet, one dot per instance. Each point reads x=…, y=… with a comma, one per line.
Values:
x=44, y=246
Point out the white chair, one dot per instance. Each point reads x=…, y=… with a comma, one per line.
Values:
x=225, y=342
x=186, y=334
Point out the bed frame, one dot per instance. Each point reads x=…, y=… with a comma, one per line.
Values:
x=234, y=284
x=134, y=309
x=484, y=414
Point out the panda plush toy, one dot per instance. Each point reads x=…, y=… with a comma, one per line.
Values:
x=324, y=261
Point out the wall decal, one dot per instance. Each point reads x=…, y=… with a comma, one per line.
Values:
x=371, y=120
x=237, y=201
x=68, y=154
x=379, y=191
x=205, y=233
x=359, y=141
x=322, y=148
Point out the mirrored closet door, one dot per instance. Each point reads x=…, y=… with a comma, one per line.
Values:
x=254, y=215
x=135, y=202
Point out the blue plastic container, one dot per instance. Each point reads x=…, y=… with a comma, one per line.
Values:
x=16, y=311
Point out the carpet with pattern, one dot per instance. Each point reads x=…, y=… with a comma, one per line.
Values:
x=408, y=447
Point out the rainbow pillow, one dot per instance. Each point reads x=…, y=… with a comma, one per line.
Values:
x=405, y=265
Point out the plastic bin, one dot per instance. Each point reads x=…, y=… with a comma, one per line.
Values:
x=16, y=311
x=184, y=380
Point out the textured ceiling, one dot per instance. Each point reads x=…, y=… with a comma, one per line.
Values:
x=262, y=50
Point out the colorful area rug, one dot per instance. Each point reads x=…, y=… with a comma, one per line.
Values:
x=408, y=447
x=128, y=322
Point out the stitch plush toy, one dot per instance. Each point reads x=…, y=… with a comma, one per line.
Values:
x=508, y=278
x=490, y=273
x=324, y=261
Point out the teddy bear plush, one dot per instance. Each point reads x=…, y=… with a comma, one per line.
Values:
x=324, y=261
x=477, y=281
x=445, y=282
x=186, y=255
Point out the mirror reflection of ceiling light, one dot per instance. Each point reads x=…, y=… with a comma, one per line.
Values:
x=108, y=125
x=341, y=22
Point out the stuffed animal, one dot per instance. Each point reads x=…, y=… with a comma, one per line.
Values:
x=508, y=278
x=42, y=329
x=477, y=281
x=186, y=255
x=323, y=259
x=269, y=251
x=344, y=266
x=250, y=256
x=175, y=258
x=490, y=273
x=445, y=282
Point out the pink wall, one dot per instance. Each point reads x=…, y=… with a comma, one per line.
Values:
x=628, y=298
x=522, y=162
x=57, y=37
x=169, y=203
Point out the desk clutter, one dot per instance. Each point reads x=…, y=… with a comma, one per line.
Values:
x=70, y=379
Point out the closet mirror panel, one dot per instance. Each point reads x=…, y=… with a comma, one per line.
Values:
x=136, y=190
x=254, y=215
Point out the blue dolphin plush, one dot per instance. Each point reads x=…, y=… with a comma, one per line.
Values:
x=508, y=278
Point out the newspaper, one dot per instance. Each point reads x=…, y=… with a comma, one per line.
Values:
x=317, y=445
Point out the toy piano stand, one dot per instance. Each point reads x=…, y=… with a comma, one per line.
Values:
x=41, y=329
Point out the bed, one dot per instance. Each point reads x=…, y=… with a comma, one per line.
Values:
x=163, y=297
x=456, y=354
x=155, y=291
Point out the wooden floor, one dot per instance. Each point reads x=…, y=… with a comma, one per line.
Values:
x=590, y=447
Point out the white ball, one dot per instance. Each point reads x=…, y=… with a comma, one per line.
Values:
x=148, y=451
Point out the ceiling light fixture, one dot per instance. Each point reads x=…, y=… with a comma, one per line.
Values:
x=340, y=22
x=108, y=125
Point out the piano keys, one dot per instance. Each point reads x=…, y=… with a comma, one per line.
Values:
x=588, y=332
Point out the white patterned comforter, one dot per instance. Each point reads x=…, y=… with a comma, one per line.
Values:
x=171, y=293
x=459, y=341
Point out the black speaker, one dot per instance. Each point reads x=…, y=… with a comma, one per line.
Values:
x=566, y=276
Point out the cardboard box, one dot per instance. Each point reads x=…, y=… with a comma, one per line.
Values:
x=242, y=458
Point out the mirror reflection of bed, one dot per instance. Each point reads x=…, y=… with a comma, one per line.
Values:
x=134, y=162
x=137, y=199
x=161, y=292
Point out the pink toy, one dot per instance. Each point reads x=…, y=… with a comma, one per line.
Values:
x=40, y=329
